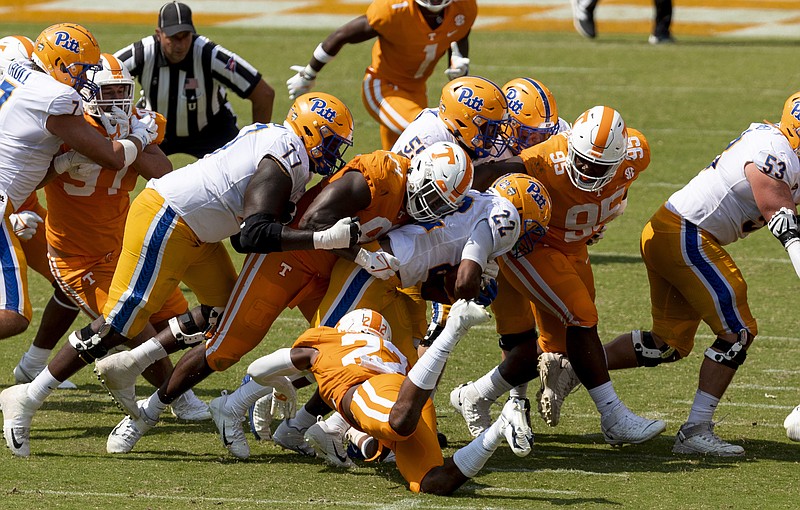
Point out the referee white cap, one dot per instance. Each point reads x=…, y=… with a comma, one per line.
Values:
x=175, y=17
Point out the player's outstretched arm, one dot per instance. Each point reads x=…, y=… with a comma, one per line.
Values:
x=152, y=163
x=83, y=138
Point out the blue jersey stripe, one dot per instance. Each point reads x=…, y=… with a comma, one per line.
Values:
x=348, y=300
x=10, y=280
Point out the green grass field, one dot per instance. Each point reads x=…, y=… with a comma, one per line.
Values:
x=690, y=100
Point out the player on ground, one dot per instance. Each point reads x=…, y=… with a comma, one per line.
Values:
x=587, y=172
x=366, y=378
x=173, y=234
x=412, y=37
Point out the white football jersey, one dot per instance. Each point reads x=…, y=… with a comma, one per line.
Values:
x=209, y=193
x=720, y=200
x=27, y=99
x=422, y=247
x=426, y=130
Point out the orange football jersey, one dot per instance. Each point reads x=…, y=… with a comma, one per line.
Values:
x=407, y=49
x=338, y=366
x=578, y=214
x=87, y=214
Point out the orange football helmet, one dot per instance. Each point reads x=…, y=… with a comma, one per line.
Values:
x=790, y=121
x=112, y=72
x=475, y=111
x=325, y=125
x=597, y=145
x=67, y=52
x=532, y=111
x=533, y=203
x=367, y=321
x=13, y=48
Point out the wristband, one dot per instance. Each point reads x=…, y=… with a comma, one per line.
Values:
x=793, y=249
x=308, y=73
x=131, y=152
x=321, y=55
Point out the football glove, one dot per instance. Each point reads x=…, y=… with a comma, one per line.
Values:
x=284, y=399
x=596, y=237
x=488, y=293
x=68, y=161
x=301, y=82
x=25, y=224
x=459, y=66
x=145, y=129
x=116, y=123
x=379, y=264
x=465, y=314
x=343, y=234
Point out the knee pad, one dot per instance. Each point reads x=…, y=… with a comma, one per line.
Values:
x=647, y=354
x=186, y=331
x=92, y=348
x=508, y=342
x=730, y=354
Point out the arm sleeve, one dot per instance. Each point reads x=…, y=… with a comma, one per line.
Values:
x=480, y=244
x=234, y=71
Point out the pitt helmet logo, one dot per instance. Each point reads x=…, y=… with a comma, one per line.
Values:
x=536, y=193
x=320, y=107
x=796, y=110
x=514, y=104
x=64, y=40
x=467, y=98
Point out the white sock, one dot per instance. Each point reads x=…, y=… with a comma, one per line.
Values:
x=425, y=373
x=492, y=385
x=42, y=386
x=703, y=407
x=278, y=363
x=336, y=423
x=36, y=357
x=605, y=398
x=245, y=395
x=471, y=458
x=520, y=391
x=148, y=353
x=302, y=420
x=153, y=407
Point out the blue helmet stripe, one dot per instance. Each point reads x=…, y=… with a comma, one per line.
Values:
x=547, y=112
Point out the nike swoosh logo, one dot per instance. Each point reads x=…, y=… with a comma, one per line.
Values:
x=225, y=437
x=14, y=441
x=342, y=458
x=451, y=33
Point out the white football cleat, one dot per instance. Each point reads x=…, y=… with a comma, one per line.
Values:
x=25, y=373
x=792, y=424
x=557, y=381
x=328, y=444
x=190, y=408
x=622, y=426
x=473, y=407
x=229, y=427
x=117, y=373
x=292, y=438
x=18, y=410
x=129, y=431
x=517, y=412
x=699, y=438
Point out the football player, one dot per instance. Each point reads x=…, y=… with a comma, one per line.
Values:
x=588, y=172
x=367, y=379
x=174, y=231
x=412, y=37
x=533, y=114
x=374, y=187
x=752, y=183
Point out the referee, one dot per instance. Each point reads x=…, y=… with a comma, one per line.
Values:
x=185, y=77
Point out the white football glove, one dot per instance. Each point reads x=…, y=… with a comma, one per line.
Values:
x=116, y=122
x=379, y=264
x=459, y=66
x=301, y=82
x=596, y=237
x=343, y=234
x=25, y=224
x=284, y=398
x=70, y=160
x=465, y=314
x=144, y=129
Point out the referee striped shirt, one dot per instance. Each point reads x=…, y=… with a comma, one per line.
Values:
x=189, y=94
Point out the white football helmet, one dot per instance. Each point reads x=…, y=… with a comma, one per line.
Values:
x=14, y=48
x=434, y=5
x=439, y=178
x=113, y=73
x=367, y=321
x=597, y=145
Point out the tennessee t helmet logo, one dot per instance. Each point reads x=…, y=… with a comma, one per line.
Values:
x=467, y=97
x=320, y=107
x=68, y=43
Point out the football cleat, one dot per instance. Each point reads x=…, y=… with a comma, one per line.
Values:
x=292, y=438
x=622, y=426
x=792, y=424
x=24, y=373
x=699, y=438
x=229, y=427
x=117, y=373
x=190, y=408
x=18, y=410
x=129, y=431
x=473, y=407
x=558, y=380
x=328, y=444
x=517, y=412
x=583, y=18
